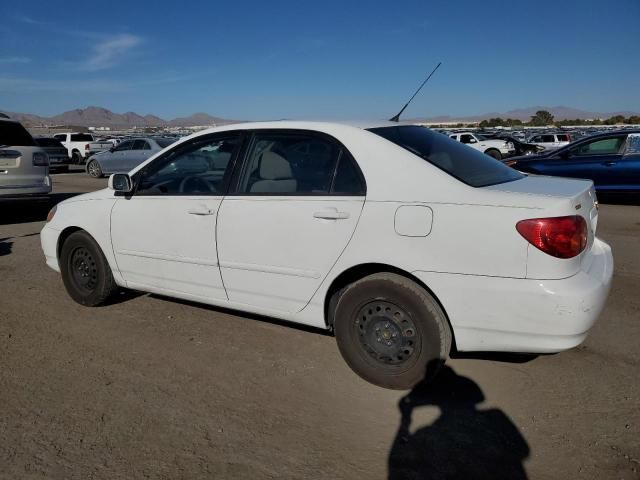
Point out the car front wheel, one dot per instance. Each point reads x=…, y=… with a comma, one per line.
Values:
x=492, y=152
x=85, y=271
x=391, y=331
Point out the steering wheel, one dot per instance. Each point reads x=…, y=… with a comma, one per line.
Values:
x=193, y=184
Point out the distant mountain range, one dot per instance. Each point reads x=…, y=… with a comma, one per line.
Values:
x=525, y=114
x=101, y=117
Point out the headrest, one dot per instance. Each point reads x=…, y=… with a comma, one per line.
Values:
x=274, y=167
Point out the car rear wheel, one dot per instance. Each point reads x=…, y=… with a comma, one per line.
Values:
x=76, y=158
x=85, y=271
x=94, y=169
x=391, y=331
x=492, y=152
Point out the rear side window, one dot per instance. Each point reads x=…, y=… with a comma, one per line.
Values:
x=164, y=142
x=299, y=164
x=563, y=138
x=81, y=137
x=466, y=164
x=12, y=134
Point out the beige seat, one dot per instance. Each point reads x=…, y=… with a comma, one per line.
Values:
x=275, y=175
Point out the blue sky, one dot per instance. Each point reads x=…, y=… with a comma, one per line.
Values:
x=329, y=59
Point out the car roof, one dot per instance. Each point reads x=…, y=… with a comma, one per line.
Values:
x=305, y=125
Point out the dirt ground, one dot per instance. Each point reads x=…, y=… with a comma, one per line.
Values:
x=149, y=387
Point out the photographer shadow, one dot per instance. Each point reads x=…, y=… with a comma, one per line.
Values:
x=464, y=442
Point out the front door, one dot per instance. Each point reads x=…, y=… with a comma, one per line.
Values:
x=295, y=207
x=164, y=235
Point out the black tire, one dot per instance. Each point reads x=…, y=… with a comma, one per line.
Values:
x=492, y=152
x=391, y=331
x=76, y=158
x=85, y=271
x=93, y=169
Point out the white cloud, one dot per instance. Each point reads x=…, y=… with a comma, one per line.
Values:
x=109, y=52
x=5, y=60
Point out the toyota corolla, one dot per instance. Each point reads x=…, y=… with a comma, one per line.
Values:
x=398, y=239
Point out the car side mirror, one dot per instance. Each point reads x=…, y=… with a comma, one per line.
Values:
x=473, y=140
x=120, y=182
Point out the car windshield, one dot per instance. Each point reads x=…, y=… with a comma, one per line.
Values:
x=460, y=161
x=13, y=134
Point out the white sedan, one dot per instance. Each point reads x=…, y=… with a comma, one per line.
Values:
x=398, y=239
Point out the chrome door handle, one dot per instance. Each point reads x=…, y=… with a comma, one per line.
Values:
x=331, y=215
x=201, y=211
x=609, y=163
x=4, y=172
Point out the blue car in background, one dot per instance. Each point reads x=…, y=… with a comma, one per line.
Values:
x=611, y=160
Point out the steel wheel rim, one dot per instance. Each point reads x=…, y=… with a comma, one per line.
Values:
x=84, y=270
x=387, y=333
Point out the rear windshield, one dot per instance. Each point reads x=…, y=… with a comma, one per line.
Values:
x=12, y=134
x=165, y=142
x=81, y=137
x=48, y=142
x=464, y=163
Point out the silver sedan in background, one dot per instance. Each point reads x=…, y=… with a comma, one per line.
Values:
x=127, y=155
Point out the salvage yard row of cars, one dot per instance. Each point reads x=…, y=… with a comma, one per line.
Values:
x=398, y=239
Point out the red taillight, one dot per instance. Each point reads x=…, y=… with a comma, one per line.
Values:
x=86, y=147
x=561, y=237
x=40, y=159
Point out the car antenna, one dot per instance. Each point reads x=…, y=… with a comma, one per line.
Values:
x=396, y=118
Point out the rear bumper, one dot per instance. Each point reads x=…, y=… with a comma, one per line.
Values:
x=42, y=187
x=524, y=315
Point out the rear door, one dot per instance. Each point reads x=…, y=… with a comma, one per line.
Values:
x=296, y=203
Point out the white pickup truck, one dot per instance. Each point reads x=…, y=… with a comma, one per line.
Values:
x=493, y=147
x=81, y=146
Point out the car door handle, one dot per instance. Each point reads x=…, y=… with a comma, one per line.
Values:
x=609, y=163
x=331, y=215
x=201, y=211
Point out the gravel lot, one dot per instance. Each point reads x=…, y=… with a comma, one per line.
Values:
x=150, y=387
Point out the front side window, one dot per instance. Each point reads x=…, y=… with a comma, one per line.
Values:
x=466, y=164
x=299, y=164
x=563, y=138
x=199, y=167
x=467, y=139
x=140, y=145
x=605, y=146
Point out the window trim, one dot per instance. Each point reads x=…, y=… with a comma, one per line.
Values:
x=212, y=137
x=243, y=161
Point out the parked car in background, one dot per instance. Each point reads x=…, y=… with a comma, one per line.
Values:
x=551, y=141
x=77, y=145
x=57, y=153
x=24, y=166
x=494, y=148
x=520, y=147
x=611, y=160
x=395, y=237
x=127, y=155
